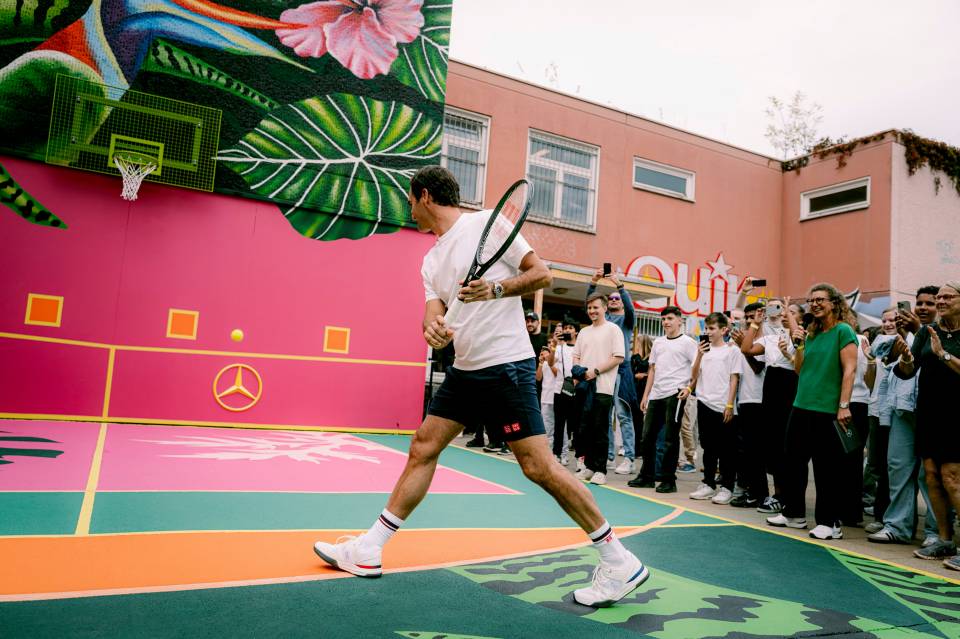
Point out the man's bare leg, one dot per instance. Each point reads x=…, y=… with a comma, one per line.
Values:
x=541, y=468
x=428, y=442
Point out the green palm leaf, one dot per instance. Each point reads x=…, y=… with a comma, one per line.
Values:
x=339, y=165
x=422, y=64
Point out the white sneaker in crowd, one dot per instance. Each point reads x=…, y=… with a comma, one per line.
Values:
x=782, y=521
x=626, y=467
x=612, y=583
x=723, y=496
x=611, y=463
x=703, y=492
x=599, y=479
x=581, y=464
x=584, y=474
x=564, y=460
x=826, y=532
x=350, y=554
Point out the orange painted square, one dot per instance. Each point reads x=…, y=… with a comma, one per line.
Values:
x=182, y=324
x=336, y=340
x=44, y=310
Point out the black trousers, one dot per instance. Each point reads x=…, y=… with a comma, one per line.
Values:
x=812, y=435
x=594, y=440
x=719, y=443
x=566, y=419
x=779, y=391
x=661, y=414
x=751, y=466
x=851, y=471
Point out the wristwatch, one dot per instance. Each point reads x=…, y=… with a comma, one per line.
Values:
x=497, y=290
x=946, y=357
x=844, y=404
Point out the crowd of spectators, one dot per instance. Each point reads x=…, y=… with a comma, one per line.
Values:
x=768, y=388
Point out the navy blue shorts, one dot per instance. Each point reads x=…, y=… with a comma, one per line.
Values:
x=502, y=397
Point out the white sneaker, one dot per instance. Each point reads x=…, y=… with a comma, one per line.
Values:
x=581, y=465
x=826, y=532
x=620, y=451
x=781, y=521
x=599, y=479
x=564, y=460
x=611, y=463
x=723, y=496
x=612, y=583
x=626, y=467
x=584, y=474
x=703, y=492
x=351, y=555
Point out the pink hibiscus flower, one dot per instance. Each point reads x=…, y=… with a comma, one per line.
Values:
x=361, y=34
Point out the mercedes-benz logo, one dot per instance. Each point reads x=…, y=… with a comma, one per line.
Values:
x=222, y=392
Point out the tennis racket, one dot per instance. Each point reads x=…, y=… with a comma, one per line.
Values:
x=500, y=231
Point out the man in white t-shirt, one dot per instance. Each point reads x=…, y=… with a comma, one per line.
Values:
x=566, y=404
x=716, y=376
x=492, y=380
x=751, y=467
x=600, y=350
x=547, y=379
x=671, y=360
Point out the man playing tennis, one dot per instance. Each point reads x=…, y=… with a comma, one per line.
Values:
x=492, y=381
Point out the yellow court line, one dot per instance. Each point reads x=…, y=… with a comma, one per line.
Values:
x=188, y=351
x=108, y=385
x=198, y=423
x=86, y=508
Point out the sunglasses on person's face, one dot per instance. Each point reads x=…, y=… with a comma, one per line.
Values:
x=614, y=298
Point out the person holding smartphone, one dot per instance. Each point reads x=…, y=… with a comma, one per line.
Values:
x=826, y=363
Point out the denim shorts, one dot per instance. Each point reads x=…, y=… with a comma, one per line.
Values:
x=502, y=397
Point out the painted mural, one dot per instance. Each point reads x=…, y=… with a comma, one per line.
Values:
x=328, y=107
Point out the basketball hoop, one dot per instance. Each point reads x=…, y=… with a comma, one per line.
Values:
x=133, y=168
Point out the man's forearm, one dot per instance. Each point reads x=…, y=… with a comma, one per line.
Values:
x=527, y=281
x=610, y=364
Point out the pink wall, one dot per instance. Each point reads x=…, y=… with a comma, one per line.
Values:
x=849, y=250
x=734, y=188
x=121, y=266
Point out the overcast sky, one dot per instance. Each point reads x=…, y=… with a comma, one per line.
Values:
x=708, y=66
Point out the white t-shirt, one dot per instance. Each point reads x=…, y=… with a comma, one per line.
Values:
x=595, y=346
x=674, y=360
x=563, y=359
x=772, y=356
x=548, y=384
x=751, y=384
x=485, y=333
x=716, y=367
x=861, y=392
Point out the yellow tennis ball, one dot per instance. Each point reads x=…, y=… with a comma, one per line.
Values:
x=236, y=335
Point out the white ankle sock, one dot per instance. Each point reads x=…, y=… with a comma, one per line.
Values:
x=383, y=529
x=608, y=545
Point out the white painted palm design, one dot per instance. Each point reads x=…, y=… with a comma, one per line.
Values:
x=314, y=448
x=339, y=165
x=422, y=64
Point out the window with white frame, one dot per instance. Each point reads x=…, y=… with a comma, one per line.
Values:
x=664, y=179
x=838, y=198
x=564, y=177
x=464, y=152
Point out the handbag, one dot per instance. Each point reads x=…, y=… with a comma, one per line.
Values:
x=568, y=388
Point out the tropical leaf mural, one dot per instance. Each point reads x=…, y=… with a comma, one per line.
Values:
x=340, y=164
x=373, y=104
x=24, y=204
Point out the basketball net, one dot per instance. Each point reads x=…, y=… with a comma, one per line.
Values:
x=133, y=173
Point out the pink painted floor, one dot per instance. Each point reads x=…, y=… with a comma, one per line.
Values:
x=178, y=458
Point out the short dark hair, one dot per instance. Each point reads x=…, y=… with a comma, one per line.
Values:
x=928, y=290
x=671, y=310
x=569, y=321
x=717, y=318
x=755, y=306
x=598, y=296
x=439, y=182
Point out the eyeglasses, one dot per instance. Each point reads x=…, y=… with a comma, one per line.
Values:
x=819, y=301
x=945, y=298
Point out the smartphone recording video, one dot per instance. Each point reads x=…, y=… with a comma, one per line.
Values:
x=607, y=269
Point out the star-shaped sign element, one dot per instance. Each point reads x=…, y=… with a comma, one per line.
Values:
x=718, y=267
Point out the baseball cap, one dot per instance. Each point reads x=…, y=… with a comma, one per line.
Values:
x=533, y=316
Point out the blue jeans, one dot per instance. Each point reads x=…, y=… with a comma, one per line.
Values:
x=625, y=417
x=903, y=466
